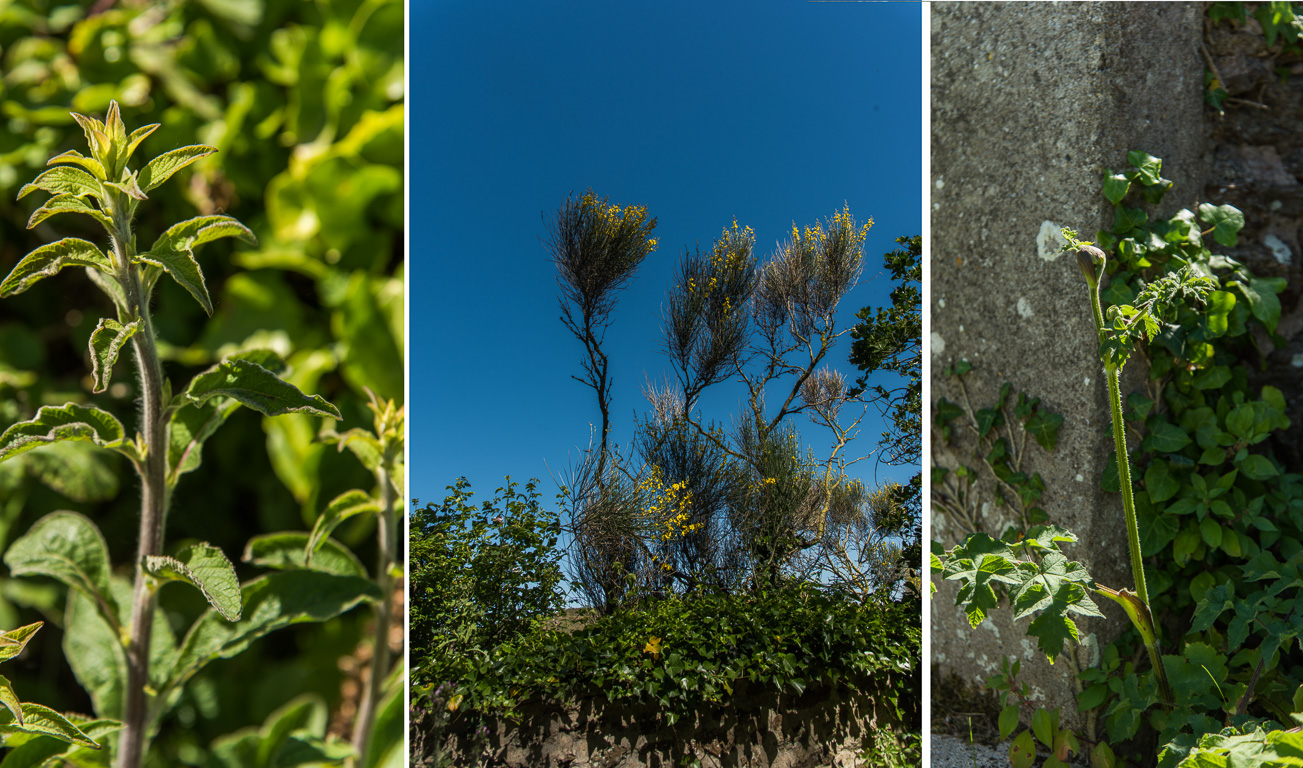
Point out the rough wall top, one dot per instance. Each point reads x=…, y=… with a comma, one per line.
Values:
x=1031, y=102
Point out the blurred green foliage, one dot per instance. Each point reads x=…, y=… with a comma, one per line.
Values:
x=305, y=103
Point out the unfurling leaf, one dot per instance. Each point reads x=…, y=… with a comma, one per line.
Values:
x=347, y=504
x=105, y=344
x=161, y=168
x=49, y=259
x=68, y=422
x=205, y=568
x=46, y=722
x=66, y=546
x=255, y=387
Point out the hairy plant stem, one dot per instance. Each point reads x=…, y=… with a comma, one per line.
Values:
x=153, y=496
x=386, y=530
x=1091, y=260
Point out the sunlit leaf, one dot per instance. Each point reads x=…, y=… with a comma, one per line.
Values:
x=67, y=422
x=64, y=180
x=161, y=168
x=47, y=722
x=255, y=387
x=49, y=259
x=205, y=568
x=67, y=204
x=348, y=504
x=286, y=551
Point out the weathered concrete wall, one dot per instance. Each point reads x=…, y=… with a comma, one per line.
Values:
x=1030, y=103
x=824, y=726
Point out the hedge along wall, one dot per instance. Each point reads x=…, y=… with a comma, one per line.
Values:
x=824, y=726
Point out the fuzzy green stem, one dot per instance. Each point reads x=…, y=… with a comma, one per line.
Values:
x=387, y=523
x=153, y=498
x=1091, y=260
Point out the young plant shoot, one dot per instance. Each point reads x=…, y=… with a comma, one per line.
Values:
x=112, y=639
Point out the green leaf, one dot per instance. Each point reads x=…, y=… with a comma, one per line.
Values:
x=46, y=722
x=1116, y=186
x=192, y=233
x=137, y=136
x=67, y=204
x=49, y=259
x=14, y=641
x=347, y=504
x=1022, y=752
x=182, y=267
x=205, y=568
x=255, y=387
x=1166, y=437
x=128, y=187
x=68, y=422
x=1045, y=428
x=1257, y=467
x=285, y=551
x=10, y=700
x=1220, y=305
x=1160, y=482
x=63, y=180
x=1226, y=221
x=1149, y=166
x=77, y=158
x=66, y=546
x=1263, y=301
x=95, y=653
x=105, y=344
x=271, y=602
x=188, y=428
x=385, y=749
x=161, y=168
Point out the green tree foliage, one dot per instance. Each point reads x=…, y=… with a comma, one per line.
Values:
x=481, y=575
x=889, y=340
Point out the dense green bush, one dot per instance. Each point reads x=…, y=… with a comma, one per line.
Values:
x=481, y=576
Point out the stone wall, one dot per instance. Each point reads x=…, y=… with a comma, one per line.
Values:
x=1030, y=103
x=824, y=726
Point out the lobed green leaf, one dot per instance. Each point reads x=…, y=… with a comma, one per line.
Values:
x=49, y=259
x=105, y=344
x=255, y=387
x=161, y=168
x=205, y=568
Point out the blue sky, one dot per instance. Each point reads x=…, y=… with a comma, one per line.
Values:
x=770, y=112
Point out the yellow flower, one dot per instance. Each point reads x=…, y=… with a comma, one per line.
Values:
x=653, y=647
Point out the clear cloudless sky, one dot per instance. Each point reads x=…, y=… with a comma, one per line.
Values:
x=767, y=112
